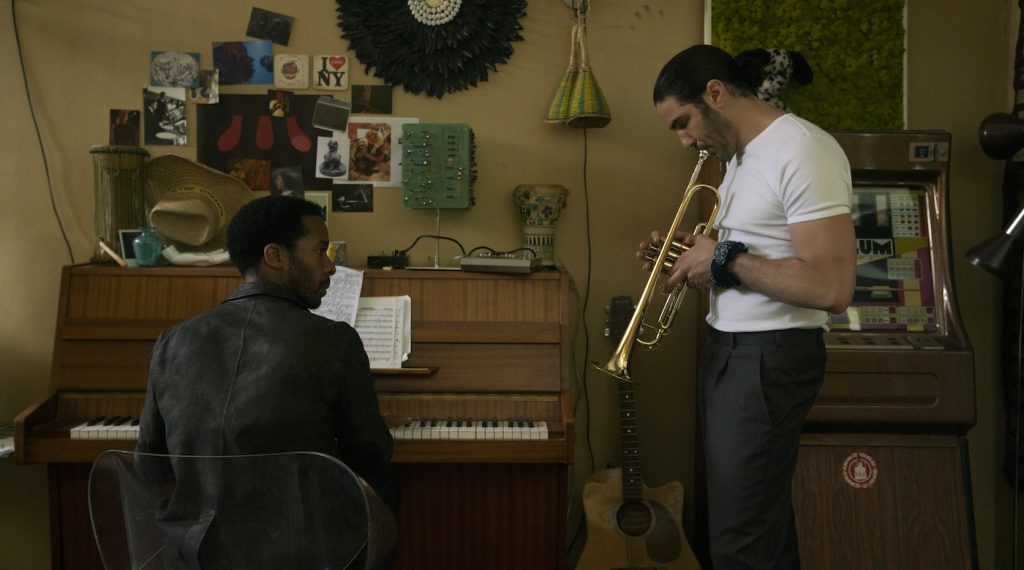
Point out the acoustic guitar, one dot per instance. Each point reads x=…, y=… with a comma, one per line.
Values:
x=631, y=526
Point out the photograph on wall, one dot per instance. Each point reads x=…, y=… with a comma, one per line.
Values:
x=371, y=99
x=333, y=156
x=242, y=126
x=331, y=71
x=208, y=91
x=244, y=63
x=369, y=152
x=291, y=71
x=174, y=69
x=279, y=102
x=255, y=172
x=375, y=149
x=124, y=127
x=287, y=181
x=352, y=198
x=267, y=25
x=164, y=120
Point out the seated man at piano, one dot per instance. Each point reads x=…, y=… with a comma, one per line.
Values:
x=261, y=374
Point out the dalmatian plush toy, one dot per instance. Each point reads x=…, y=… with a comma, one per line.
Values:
x=778, y=67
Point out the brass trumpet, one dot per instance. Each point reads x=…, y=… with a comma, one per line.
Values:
x=662, y=256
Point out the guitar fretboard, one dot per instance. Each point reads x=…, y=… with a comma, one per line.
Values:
x=632, y=479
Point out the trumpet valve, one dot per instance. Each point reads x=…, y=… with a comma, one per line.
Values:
x=675, y=249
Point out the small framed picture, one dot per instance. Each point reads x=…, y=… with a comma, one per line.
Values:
x=322, y=199
x=127, y=250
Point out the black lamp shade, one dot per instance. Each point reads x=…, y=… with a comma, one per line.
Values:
x=1001, y=135
x=998, y=255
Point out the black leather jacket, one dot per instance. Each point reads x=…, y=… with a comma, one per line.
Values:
x=261, y=374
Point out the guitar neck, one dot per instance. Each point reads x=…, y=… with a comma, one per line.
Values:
x=629, y=433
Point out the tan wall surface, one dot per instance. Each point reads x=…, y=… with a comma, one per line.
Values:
x=84, y=57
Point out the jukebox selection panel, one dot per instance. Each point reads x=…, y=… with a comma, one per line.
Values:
x=894, y=301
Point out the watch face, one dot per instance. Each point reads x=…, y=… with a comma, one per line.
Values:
x=721, y=250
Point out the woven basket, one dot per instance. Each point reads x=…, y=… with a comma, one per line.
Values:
x=588, y=109
x=558, y=111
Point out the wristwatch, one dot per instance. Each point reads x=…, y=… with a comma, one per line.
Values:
x=725, y=251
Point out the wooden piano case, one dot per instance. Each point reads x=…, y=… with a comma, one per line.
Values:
x=498, y=349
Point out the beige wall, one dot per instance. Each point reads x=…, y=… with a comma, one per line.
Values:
x=84, y=57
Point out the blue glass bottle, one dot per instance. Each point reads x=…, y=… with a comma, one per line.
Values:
x=147, y=246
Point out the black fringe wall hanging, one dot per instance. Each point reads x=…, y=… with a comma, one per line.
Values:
x=431, y=46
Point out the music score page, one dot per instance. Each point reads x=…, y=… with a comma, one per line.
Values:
x=384, y=323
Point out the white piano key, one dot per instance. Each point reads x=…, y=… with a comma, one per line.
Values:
x=466, y=430
x=436, y=427
x=88, y=431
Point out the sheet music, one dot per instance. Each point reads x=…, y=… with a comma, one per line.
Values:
x=385, y=326
x=342, y=298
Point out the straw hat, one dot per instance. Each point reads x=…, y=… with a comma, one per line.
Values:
x=192, y=203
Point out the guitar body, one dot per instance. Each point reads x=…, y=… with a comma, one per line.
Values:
x=634, y=535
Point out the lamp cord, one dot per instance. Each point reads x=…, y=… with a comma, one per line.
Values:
x=1016, y=421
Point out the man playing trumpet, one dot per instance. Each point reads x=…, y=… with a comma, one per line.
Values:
x=784, y=260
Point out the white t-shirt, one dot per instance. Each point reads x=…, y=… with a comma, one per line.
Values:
x=791, y=172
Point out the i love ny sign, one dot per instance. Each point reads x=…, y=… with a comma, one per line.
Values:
x=331, y=71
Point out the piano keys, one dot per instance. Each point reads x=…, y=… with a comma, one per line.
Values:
x=102, y=427
x=126, y=427
x=462, y=429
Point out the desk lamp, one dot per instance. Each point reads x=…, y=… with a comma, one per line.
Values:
x=1002, y=136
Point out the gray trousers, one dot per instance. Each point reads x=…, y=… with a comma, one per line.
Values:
x=754, y=391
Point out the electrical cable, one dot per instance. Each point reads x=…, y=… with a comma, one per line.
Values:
x=437, y=237
x=1016, y=439
x=586, y=334
x=39, y=137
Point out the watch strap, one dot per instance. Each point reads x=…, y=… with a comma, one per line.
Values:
x=724, y=253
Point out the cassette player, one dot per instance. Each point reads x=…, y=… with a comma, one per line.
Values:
x=500, y=264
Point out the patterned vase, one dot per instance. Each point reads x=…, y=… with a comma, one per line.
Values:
x=539, y=206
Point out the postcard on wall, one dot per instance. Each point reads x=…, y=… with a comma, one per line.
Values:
x=124, y=127
x=331, y=71
x=371, y=99
x=291, y=71
x=174, y=69
x=244, y=63
x=287, y=181
x=164, y=120
x=375, y=150
x=332, y=156
x=208, y=92
x=352, y=198
x=255, y=172
x=267, y=25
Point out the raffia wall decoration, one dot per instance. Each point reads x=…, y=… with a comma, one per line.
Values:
x=431, y=46
x=855, y=48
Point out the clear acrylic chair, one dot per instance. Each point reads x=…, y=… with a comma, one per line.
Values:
x=285, y=510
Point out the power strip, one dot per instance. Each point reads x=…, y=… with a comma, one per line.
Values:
x=498, y=264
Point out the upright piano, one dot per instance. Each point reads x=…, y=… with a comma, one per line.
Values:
x=494, y=347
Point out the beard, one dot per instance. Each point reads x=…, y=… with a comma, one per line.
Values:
x=304, y=284
x=720, y=134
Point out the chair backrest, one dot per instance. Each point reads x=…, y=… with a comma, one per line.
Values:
x=285, y=510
